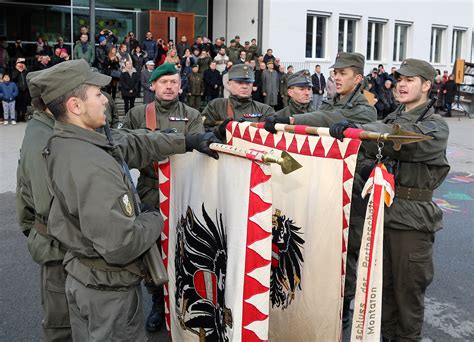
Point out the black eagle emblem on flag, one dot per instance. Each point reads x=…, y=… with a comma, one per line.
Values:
x=200, y=267
x=287, y=260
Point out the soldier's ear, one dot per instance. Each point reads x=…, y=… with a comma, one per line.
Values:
x=74, y=105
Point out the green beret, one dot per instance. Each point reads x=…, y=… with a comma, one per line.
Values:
x=66, y=76
x=346, y=59
x=32, y=86
x=301, y=78
x=241, y=72
x=416, y=67
x=163, y=70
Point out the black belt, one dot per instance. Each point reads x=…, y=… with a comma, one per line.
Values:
x=414, y=194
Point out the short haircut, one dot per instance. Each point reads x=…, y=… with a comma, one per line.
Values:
x=317, y=65
x=357, y=70
x=38, y=103
x=58, y=106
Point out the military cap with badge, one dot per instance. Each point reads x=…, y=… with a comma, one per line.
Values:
x=347, y=59
x=301, y=78
x=416, y=67
x=242, y=73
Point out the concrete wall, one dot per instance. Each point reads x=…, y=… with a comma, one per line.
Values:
x=239, y=14
x=284, y=26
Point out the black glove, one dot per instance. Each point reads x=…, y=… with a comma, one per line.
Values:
x=200, y=142
x=272, y=120
x=169, y=130
x=26, y=232
x=337, y=130
x=221, y=133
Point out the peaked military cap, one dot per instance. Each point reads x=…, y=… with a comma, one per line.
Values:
x=416, y=67
x=301, y=78
x=35, y=91
x=241, y=72
x=64, y=77
x=346, y=59
x=163, y=70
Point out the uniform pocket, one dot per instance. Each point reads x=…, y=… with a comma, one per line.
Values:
x=420, y=265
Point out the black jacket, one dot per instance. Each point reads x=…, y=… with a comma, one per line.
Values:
x=318, y=84
x=128, y=83
x=450, y=88
x=211, y=79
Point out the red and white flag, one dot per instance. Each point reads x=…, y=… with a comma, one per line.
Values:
x=216, y=246
x=311, y=209
x=368, y=299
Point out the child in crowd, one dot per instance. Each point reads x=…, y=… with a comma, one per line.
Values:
x=8, y=93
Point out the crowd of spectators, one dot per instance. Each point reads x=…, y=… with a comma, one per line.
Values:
x=203, y=67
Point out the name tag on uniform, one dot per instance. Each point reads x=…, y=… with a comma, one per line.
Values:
x=252, y=115
x=176, y=118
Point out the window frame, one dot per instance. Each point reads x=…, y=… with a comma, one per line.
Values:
x=316, y=17
x=346, y=19
x=442, y=32
x=397, y=40
x=458, y=32
x=370, y=55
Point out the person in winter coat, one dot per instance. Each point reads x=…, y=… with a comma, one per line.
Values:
x=270, y=85
x=386, y=101
x=148, y=90
x=139, y=59
x=438, y=92
x=111, y=67
x=23, y=99
x=8, y=93
x=212, y=82
x=449, y=94
x=129, y=82
x=85, y=50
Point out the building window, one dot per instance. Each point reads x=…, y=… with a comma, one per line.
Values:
x=456, y=46
x=347, y=34
x=436, y=44
x=316, y=36
x=374, y=41
x=400, y=42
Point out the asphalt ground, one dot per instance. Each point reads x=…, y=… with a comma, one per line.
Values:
x=449, y=301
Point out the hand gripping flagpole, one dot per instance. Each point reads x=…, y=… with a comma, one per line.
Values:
x=287, y=163
x=397, y=136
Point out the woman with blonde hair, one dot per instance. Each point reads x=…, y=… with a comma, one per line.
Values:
x=111, y=67
x=172, y=56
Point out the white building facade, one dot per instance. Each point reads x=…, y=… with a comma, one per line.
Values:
x=306, y=33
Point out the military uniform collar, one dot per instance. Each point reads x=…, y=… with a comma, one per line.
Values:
x=67, y=130
x=235, y=100
x=165, y=106
x=44, y=117
x=298, y=108
x=411, y=115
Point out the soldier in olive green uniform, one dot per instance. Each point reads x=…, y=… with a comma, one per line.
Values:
x=348, y=69
x=167, y=113
x=284, y=86
x=32, y=202
x=195, y=88
x=233, y=51
x=239, y=105
x=95, y=214
x=300, y=93
x=411, y=221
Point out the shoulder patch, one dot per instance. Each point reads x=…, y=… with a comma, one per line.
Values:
x=126, y=205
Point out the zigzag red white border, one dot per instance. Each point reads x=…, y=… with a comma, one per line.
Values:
x=164, y=178
x=256, y=294
x=291, y=142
